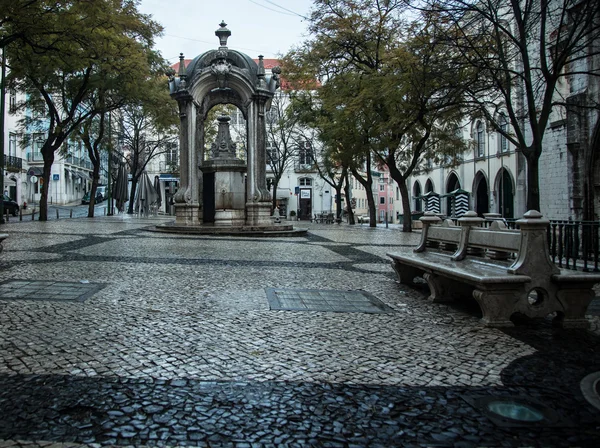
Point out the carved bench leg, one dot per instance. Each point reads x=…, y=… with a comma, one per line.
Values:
x=496, y=307
x=574, y=303
x=406, y=274
x=437, y=288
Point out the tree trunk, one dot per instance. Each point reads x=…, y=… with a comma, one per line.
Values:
x=95, y=179
x=48, y=156
x=406, y=212
x=134, y=181
x=348, y=204
x=371, y=203
x=533, y=181
x=338, y=203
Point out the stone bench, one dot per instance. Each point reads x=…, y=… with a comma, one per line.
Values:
x=3, y=236
x=469, y=260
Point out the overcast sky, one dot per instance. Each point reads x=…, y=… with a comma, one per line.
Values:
x=267, y=27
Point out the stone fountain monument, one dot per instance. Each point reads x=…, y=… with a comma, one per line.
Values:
x=219, y=193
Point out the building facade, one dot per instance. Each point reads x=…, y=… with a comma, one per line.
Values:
x=71, y=171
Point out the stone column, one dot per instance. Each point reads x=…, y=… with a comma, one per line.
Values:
x=258, y=203
x=199, y=160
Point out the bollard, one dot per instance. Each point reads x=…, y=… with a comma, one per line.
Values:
x=104, y=211
x=71, y=213
x=21, y=214
x=6, y=215
x=33, y=214
x=56, y=213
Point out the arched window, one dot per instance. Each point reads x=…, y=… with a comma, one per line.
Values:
x=479, y=140
x=417, y=196
x=503, y=141
x=305, y=181
x=428, y=186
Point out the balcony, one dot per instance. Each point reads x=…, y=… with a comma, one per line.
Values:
x=35, y=157
x=304, y=167
x=12, y=164
x=78, y=161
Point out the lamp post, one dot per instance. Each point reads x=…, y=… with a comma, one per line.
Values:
x=2, y=98
x=110, y=156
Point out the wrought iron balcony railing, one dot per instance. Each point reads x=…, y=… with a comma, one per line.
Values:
x=12, y=164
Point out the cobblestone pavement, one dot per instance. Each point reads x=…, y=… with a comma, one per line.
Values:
x=178, y=347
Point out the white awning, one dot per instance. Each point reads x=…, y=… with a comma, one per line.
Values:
x=284, y=193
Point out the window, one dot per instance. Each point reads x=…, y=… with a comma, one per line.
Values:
x=479, y=141
x=503, y=141
x=172, y=154
x=305, y=153
x=382, y=200
x=305, y=181
x=12, y=101
x=237, y=118
x=391, y=200
x=397, y=194
x=272, y=153
x=381, y=187
x=12, y=144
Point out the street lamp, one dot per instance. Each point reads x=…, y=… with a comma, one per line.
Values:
x=2, y=98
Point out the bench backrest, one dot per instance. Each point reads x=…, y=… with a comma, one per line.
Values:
x=530, y=244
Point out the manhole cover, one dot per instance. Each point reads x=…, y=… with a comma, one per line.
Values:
x=590, y=387
x=47, y=290
x=325, y=300
x=510, y=412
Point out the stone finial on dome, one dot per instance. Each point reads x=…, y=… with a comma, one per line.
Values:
x=261, y=72
x=182, y=76
x=223, y=33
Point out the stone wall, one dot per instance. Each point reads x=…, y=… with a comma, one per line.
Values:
x=554, y=168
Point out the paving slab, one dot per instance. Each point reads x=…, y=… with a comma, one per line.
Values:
x=181, y=348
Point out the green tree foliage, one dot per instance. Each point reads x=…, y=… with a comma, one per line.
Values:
x=390, y=93
x=31, y=22
x=99, y=50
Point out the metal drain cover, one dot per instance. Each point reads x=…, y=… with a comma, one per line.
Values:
x=47, y=290
x=325, y=300
x=516, y=411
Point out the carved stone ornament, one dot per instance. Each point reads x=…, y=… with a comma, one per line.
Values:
x=221, y=69
x=222, y=53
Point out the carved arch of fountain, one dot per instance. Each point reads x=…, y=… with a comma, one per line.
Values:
x=222, y=76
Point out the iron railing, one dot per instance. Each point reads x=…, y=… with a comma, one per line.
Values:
x=574, y=244
x=12, y=163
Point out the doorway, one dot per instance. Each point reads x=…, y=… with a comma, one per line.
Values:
x=305, y=204
x=208, y=197
x=452, y=184
x=505, y=195
x=482, y=204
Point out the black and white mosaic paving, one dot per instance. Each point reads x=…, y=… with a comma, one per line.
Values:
x=181, y=348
